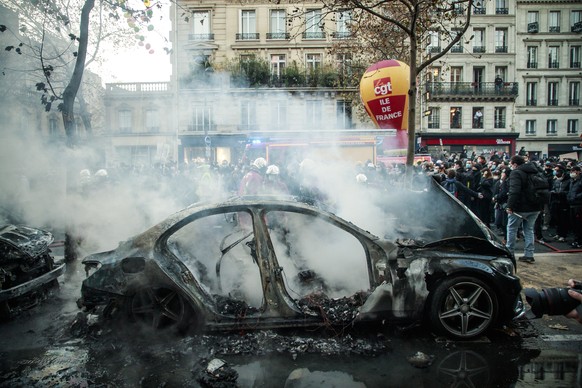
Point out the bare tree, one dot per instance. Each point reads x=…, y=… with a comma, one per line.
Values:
x=48, y=25
x=403, y=28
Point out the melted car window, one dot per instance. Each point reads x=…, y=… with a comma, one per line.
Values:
x=219, y=250
x=317, y=256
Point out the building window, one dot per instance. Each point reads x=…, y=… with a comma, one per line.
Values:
x=478, y=117
x=314, y=112
x=313, y=25
x=434, y=42
x=279, y=115
x=533, y=22
x=313, y=62
x=248, y=25
x=344, y=114
x=574, y=93
x=576, y=21
x=500, y=40
x=530, y=127
x=201, y=119
x=573, y=126
x=277, y=65
x=152, y=121
x=456, y=117
x=574, y=57
x=479, y=40
x=554, y=21
x=553, y=57
x=456, y=74
x=499, y=117
x=552, y=93
x=248, y=116
x=201, y=26
x=434, y=118
x=458, y=47
x=532, y=57
x=552, y=127
x=125, y=120
x=53, y=127
x=458, y=9
x=278, y=27
x=344, y=65
x=342, y=24
x=531, y=93
x=501, y=7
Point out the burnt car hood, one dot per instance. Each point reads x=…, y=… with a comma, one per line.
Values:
x=34, y=242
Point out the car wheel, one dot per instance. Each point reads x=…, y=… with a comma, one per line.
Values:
x=159, y=308
x=463, y=307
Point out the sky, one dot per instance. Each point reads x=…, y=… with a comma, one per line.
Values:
x=145, y=61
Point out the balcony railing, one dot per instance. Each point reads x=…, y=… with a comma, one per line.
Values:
x=499, y=123
x=478, y=49
x=247, y=36
x=553, y=64
x=577, y=27
x=532, y=65
x=341, y=34
x=457, y=49
x=479, y=11
x=554, y=29
x=533, y=27
x=434, y=49
x=574, y=102
x=500, y=49
x=201, y=36
x=314, y=35
x=278, y=35
x=553, y=102
x=501, y=11
x=137, y=87
x=531, y=102
x=434, y=125
x=201, y=127
x=439, y=90
x=574, y=65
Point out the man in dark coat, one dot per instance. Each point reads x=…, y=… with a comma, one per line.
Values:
x=574, y=197
x=519, y=209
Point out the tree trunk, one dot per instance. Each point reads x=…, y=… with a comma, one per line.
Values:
x=70, y=93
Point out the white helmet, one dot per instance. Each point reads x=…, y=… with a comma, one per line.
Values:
x=272, y=170
x=101, y=173
x=260, y=163
x=361, y=178
x=85, y=173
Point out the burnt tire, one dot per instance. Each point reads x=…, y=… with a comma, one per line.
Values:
x=463, y=307
x=159, y=308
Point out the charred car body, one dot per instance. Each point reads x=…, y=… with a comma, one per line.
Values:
x=27, y=267
x=254, y=263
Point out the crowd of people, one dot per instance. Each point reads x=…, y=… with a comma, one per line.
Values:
x=484, y=184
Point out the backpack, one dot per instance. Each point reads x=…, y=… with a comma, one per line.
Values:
x=538, y=189
x=450, y=186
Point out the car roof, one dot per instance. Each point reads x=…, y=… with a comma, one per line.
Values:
x=31, y=240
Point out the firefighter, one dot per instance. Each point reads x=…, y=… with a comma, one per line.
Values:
x=252, y=182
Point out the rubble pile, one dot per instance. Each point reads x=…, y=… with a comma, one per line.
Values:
x=268, y=342
x=334, y=311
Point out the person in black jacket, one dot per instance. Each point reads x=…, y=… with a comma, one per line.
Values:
x=559, y=208
x=574, y=197
x=520, y=211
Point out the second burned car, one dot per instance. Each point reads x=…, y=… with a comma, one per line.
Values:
x=257, y=263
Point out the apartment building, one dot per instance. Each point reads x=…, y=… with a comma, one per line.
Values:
x=249, y=74
x=515, y=83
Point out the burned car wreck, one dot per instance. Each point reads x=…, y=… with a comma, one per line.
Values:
x=27, y=268
x=258, y=263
